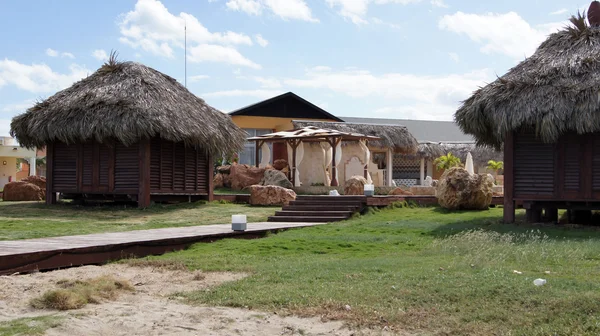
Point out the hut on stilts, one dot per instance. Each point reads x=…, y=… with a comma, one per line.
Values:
x=546, y=113
x=128, y=132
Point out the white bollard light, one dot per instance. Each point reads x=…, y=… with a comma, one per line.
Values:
x=238, y=222
x=369, y=189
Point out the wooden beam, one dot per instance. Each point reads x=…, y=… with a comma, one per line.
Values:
x=144, y=167
x=509, y=203
x=334, y=180
x=211, y=185
x=50, y=194
x=111, y=166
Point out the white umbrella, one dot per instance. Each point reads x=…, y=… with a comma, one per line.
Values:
x=469, y=164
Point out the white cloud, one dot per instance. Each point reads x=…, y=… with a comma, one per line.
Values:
x=100, y=54
x=261, y=40
x=454, y=56
x=152, y=28
x=198, y=78
x=356, y=10
x=379, y=21
x=251, y=7
x=18, y=107
x=439, y=3
x=222, y=54
x=507, y=34
x=560, y=11
x=38, y=78
x=51, y=52
x=432, y=97
x=269, y=83
x=5, y=127
x=285, y=9
x=260, y=94
x=54, y=53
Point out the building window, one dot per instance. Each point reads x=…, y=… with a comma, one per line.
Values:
x=247, y=156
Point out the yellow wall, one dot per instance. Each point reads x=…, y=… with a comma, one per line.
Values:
x=274, y=123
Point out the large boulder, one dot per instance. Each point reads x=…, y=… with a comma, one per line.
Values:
x=280, y=164
x=270, y=195
x=457, y=189
x=223, y=169
x=355, y=186
x=243, y=176
x=22, y=191
x=218, y=181
x=422, y=191
x=39, y=181
x=276, y=178
x=399, y=192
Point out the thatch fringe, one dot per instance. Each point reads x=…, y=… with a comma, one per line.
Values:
x=481, y=154
x=127, y=101
x=554, y=91
x=392, y=136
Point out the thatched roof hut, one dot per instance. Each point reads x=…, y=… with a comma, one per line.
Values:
x=553, y=92
x=391, y=136
x=127, y=101
x=481, y=154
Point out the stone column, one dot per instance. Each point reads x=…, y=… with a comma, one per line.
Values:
x=32, y=166
x=422, y=175
x=390, y=167
x=266, y=155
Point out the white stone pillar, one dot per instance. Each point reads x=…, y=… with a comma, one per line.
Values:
x=327, y=153
x=422, y=176
x=299, y=156
x=390, y=167
x=338, y=159
x=32, y=166
x=266, y=155
x=430, y=168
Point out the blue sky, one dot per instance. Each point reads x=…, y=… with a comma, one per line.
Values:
x=373, y=58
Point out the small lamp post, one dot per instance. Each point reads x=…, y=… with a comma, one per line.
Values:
x=369, y=189
x=238, y=222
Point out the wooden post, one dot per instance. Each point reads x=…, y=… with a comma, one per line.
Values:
x=144, y=167
x=334, y=182
x=257, y=144
x=50, y=194
x=211, y=184
x=390, y=167
x=293, y=170
x=509, y=202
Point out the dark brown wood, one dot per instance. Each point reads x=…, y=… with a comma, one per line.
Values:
x=144, y=174
x=509, y=203
x=256, y=153
x=95, y=166
x=334, y=143
x=111, y=168
x=587, y=169
x=211, y=186
x=50, y=194
x=294, y=147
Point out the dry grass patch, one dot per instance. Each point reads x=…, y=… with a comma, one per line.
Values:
x=75, y=294
x=171, y=265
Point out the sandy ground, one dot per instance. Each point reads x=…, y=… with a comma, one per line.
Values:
x=149, y=310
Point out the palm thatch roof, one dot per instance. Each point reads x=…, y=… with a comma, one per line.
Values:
x=554, y=91
x=481, y=154
x=391, y=136
x=127, y=101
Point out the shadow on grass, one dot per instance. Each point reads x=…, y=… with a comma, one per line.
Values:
x=489, y=222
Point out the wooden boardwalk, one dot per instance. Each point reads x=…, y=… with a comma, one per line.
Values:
x=56, y=252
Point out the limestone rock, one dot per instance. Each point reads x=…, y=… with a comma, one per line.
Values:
x=22, y=191
x=39, y=181
x=218, y=181
x=422, y=191
x=243, y=176
x=428, y=181
x=457, y=189
x=270, y=195
x=400, y=192
x=280, y=164
x=276, y=178
x=224, y=169
x=355, y=186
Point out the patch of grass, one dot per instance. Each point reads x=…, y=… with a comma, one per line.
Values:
x=172, y=265
x=24, y=220
x=412, y=268
x=229, y=191
x=74, y=294
x=29, y=326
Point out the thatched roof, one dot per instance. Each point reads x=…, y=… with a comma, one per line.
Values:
x=127, y=102
x=481, y=154
x=391, y=136
x=554, y=91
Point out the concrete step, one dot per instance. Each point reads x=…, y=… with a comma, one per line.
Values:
x=334, y=198
x=307, y=219
x=327, y=202
x=314, y=213
x=319, y=207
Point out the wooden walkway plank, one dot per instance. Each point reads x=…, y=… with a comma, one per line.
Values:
x=55, y=252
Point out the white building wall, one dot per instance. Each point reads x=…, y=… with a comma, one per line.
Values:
x=8, y=169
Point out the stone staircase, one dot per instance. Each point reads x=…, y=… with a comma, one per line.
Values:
x=312, y=209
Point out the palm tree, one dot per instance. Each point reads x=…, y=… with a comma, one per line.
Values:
x=495, y=166
x=447, y=161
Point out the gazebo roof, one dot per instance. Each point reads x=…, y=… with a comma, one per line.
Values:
x=312, y=134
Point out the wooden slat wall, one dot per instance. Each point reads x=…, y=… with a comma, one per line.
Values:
x=533, y=166
x=87, y=165
x=596, y=162
x=177, y=169
x=126, y=167
x=64, y=167
x=104, y=154
x=572, y=162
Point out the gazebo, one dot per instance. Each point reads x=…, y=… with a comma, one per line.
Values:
x=546, y=113
x=128, y=131
x=311, y=134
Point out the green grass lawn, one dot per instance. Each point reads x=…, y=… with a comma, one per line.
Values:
x=23, y=220
x=422, y=270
